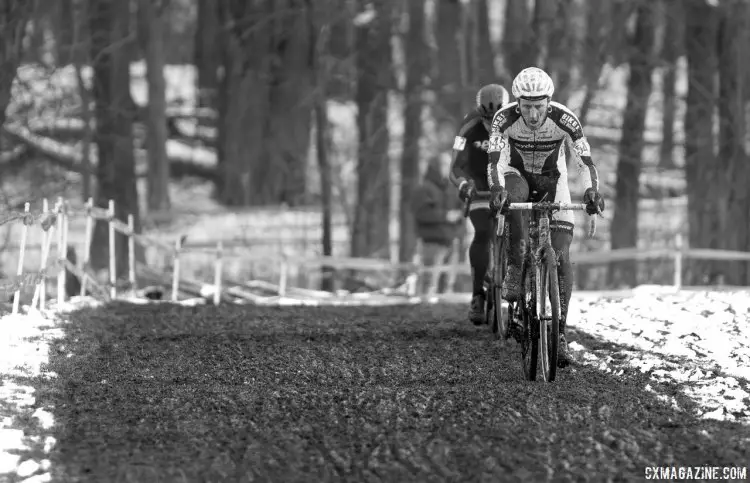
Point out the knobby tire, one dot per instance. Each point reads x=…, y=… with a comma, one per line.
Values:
x=549, y=327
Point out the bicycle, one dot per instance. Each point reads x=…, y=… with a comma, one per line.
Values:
x=539, y=284
x=534, y=295
x=493, y=282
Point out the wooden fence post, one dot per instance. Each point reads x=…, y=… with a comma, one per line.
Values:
x=21, y=255
x=112, y=252
x=678, y=256
x=131, y=253
x=284, y=269
x=218, y=269
x=61, y=252
x=176, y=269
x=87, y=243
x=40, y=292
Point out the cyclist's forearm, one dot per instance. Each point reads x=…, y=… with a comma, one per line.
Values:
x=456, y=174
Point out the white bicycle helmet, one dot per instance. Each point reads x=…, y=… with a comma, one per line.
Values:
x=532, y=83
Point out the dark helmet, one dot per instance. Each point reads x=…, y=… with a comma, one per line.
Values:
x=490, y=99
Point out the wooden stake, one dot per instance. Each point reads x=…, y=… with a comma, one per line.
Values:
x=21, y=255
x=87, y=243
x=218, y=268
x=176, y=269
x=131, y=252
x=112, y=253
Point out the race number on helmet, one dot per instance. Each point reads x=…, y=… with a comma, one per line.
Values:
x=532, y=82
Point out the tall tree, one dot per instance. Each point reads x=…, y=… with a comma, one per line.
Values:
x=416, y=69
x=109, y=24
x=515, y=36
x=373, y=61
x=265, y=107
x=207, y=53
x=13, y=18
x=450, y=85
x=151, y=32
x=565, y=45
x=734, y=210
x=624, y=226
x=672, y=49
x=320, y=34
x=289, y=122
x=244, y=102
x=542, y=24
x=481, y=52
x=701, y=173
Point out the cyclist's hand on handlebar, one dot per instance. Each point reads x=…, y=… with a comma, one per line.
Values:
x=467, y=190
x=498, y=197
x=594, y=201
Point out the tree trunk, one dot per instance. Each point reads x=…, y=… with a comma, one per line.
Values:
x=450, y=90
x=733, y=162
x=79, y=55
x=542, y=23
x=319, y=43
x=151, y=30
x=564, y=46
x=290, y=119
x=672, y=49
x=342, y=78
x=481, y=52
x=700, y=168
x=207, y=53
x=624, y=226
x=416, y=68
x=13, y=18
x=371, y=218
x=243, y=106
x=515, y=37
x=109, y=26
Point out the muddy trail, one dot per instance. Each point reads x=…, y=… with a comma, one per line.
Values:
x=412, y=393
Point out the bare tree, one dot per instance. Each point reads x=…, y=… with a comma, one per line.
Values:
x=624, y=227
x=734, y=210
x=207, y=53
x=319, y=41
x=416, y=69
x=673, y=48
x=151, y=32
x=115, y=112
x=13, y=17
x=515, y=36
x=701, y=173
x=372, y=213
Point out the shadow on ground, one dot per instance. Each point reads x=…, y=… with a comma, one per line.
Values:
x=232, y=393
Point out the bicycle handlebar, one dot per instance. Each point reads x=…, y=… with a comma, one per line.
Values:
x=546, y=206
x=535, y=206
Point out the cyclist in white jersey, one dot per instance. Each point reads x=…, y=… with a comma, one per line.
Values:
x=529, y=141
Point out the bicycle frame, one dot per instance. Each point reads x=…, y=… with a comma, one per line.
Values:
x=538, y=313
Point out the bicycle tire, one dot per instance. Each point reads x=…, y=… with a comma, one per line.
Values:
x=549, y=329
x=501, y=265
x=530, y=341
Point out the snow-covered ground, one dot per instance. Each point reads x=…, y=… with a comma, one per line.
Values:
x=24, y=349
x=697, y=339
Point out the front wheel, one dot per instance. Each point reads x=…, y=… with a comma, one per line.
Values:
x=549, y=320
x=530, y=336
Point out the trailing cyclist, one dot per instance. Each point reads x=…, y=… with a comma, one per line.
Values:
x=469, y=174
x=529, y=141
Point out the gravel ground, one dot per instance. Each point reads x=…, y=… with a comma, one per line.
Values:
x=410, y=393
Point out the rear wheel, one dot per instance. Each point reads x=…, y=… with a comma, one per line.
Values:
x=549, y=320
